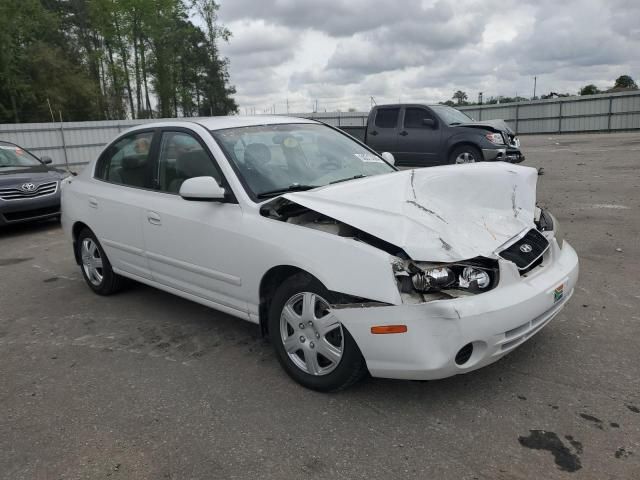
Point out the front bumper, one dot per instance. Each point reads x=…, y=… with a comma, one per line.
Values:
x=30, y=209
x=494, y=322
x=511, y=155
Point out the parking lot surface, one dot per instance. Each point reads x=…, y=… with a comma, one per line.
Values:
x=147, y=385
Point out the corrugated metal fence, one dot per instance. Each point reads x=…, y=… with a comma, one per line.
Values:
x=79, y=142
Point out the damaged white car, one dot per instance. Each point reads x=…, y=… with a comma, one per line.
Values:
x=349, y=265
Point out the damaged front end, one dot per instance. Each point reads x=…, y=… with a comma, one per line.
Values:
x=445, y=230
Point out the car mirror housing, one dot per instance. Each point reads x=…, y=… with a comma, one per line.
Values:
x=202, y=189
x=389, y=158
x=46, y=160
x=429, y=122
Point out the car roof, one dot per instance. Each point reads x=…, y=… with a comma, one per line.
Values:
x=234, y=121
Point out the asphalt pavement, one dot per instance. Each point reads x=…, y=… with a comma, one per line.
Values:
x=145, y=385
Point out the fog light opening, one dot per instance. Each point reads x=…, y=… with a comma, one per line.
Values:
x=464, y=354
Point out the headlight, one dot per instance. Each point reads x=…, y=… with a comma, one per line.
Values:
x=546, y=222
x=474, y=279
x=495, y=138
x=414, y=277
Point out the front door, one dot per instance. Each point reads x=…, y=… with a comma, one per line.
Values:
x=419, y=138
x=193, y=246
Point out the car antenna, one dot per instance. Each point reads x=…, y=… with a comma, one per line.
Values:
x=64, y=145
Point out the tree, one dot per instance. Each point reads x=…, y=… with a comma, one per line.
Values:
x=625, y=81
x=460, y=96
x=112, y=59
x=448, y=103
x=590, y=89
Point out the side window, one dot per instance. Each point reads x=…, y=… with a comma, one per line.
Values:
x=387, y=117
x=182, y=157
x=128, y=162
x=413, y=117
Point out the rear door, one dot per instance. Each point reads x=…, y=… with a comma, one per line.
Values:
x=419, y=143
x=382, y=135
x=125, y=179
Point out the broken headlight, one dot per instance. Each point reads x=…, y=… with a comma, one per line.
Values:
x=546, y=222
x=472, y=277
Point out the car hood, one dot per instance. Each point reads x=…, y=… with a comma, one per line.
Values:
x=20, y=175
x=440, y=214
x=497, y=125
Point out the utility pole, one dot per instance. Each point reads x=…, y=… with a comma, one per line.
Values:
x=287, y=105
x=535, y=81
x=373, y=101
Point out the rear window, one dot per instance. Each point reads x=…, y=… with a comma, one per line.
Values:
x=387, y=117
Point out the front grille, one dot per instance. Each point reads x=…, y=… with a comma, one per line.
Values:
x=518, y=252
x=17, y=193
x=35, y=213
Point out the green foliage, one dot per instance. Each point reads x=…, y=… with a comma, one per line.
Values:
x=111, y=59
x=460, y=96
x=625, y=81
x=590, y=89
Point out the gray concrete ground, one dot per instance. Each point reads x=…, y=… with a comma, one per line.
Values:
x=147, y=385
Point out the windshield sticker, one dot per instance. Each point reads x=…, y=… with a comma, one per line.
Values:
x=368, y=157
x=290, y=142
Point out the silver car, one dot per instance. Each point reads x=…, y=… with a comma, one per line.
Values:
x=29, y=186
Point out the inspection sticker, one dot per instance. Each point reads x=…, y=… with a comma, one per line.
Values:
x=558, y=293
x=367, y=157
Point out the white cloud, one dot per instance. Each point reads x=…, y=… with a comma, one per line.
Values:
x=341, y=52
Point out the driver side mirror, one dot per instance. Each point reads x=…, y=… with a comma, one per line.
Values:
x=46, y=160
x=204, y=189
x=429, y=122
x=388, y=157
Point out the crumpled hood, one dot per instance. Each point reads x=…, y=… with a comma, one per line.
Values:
x=499, y=125
x=440, y=214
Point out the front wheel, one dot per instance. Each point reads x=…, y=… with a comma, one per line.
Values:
x=96, y=268
x=465, y=154
x=312, y=346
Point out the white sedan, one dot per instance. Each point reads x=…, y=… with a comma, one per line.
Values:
x=347, y=264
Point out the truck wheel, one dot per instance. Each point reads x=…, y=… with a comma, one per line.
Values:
x=311, y=345
x=465, y=154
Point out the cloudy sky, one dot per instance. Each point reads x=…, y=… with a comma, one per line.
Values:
x=342, y=52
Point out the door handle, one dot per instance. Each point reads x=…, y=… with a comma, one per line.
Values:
x=404, y=133
x=93, y=203
x=374, y=133
x=154, y=218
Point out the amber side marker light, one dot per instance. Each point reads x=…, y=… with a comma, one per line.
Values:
x=384, y=329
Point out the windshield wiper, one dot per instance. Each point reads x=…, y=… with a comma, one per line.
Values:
x=455, y=123
x=348, y=178
x=295, y=187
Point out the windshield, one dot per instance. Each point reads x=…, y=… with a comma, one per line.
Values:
x=14, y=156
x=451, y=116
x=274, y=159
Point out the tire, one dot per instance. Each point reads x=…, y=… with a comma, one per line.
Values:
x=95, y=266
x=472, y=154
x=344, y=364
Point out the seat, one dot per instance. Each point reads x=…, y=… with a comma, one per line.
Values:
x=136, y=171
x=195, y=163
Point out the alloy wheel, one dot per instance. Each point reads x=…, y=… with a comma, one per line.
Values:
x=92, y=261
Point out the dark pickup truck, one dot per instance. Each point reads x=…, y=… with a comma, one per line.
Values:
x=426, y=135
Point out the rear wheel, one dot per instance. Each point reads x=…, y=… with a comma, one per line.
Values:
x=96, y=268
x=312, y=346
x=465, y=154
